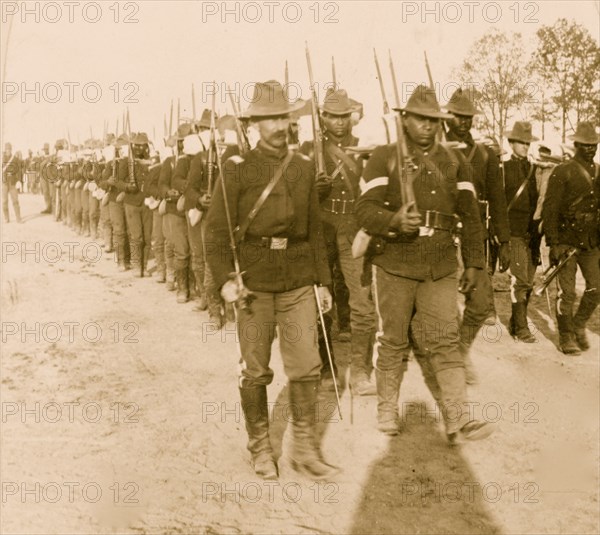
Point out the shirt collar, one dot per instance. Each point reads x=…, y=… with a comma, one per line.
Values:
x=271, y=152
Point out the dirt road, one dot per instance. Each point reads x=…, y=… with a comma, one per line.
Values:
x=120, y=414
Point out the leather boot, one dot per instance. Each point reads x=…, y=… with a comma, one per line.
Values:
x=256, y=415
x=215, y=315
x=305, y=454
x=201, y=292
x=566, y=335
x=183, y=290
x=388, y=391
x=361, y=357
x=518, y=327
x=587, y=306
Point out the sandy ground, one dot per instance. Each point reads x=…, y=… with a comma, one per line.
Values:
x=120, y=414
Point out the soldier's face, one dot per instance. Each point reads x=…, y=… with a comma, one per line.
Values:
x=273, y=130
x=338, y=125
x=460, y=124
x=141, y=151
x=586, y=151
x=421, y=129
x=520, y=149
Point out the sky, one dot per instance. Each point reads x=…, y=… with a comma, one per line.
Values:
x=67, y=67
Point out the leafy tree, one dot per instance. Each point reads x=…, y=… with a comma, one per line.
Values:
x=567, y=59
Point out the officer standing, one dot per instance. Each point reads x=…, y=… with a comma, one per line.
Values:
x=570, y=219
x=415, y=271
x=272, y=201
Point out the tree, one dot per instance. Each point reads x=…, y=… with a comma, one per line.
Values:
x=568, y=59
x=494, y=71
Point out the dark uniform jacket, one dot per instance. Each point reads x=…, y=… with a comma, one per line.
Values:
x=14, y=170
x=487, y=178
x=119, y=169
x=197, y=181
x=151, y=181
x=165, y=183
x=134, y=195
x=520, y=215
x=446, y=190
x=570, y=212
x=291, y=211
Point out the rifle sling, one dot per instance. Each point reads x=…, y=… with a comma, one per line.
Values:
x=521, y=189
x=241, y=230
x=586, y=173
x=337, y=153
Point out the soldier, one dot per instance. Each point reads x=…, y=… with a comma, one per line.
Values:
x=521, y=197
x=484, y=166
x=272, y=198
x=12, y=172
x=138, y=216
x=570, y=219
x=103, y=195
x=338, y=192
x=116, y=171
x=45, y=160
x=415, y=270
x=174, y=225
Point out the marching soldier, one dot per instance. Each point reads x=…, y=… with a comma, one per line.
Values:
x=415, y=270
x=272, y=201
x=174, y=226
x=521, y=198
x=46, y=160
x=570, y=220
x=138, y=216
x=338, y=192
x=485, y=172
x=114, y=172
x=103, y=196
x=12, y=172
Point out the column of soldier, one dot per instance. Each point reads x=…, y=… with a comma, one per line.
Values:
x=396, y=231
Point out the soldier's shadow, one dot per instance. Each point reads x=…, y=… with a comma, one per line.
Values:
x=421, y=484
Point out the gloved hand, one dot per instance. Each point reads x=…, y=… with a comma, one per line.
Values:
x=234, y=291
x=504, y=256
x=557, y=252
x=324, y=184
x=204, y=201
x=325, y=299
x=468, y=280
x=406, y=220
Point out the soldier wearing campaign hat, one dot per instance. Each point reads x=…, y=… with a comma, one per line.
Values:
x=274, y=216
x=174, y=226
x=338, y=191
x=487, y=179
x=114, y=174
x=521, y=197
x=570, y=220
x=416, y=268
x=12, y=172
x=45, y=160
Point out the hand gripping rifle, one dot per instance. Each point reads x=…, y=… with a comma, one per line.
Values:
x=551, y=272
x=316, y=121
x=406, y=167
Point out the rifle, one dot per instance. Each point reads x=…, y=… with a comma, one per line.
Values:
x=316, y=121
x=242, y=137
x=406, y=166
x=552, y=271
x=212, y=147
x=131, y=181
x=193, y=104
x=441, y=133
x=333, y=76
x=386, y=106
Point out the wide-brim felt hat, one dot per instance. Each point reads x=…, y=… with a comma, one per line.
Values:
x=122, y=140
x=141, y=138
x=424, y=102
x=461, y=104
x=269, y=100
x=204, y=121
x=337, y=103
x=521, y=132
x=184, y=129
x=586, y=134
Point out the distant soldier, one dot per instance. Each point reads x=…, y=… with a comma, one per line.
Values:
x=44, y=161
x=521, y=198
x=12, y=172
x=104, y=195
x=114, y=172
x=415, y=268
x=570, y=220
x=273, y=204
x=174, y=225
x=485, y=175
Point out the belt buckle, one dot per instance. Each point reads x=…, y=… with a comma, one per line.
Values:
x=279, y=243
